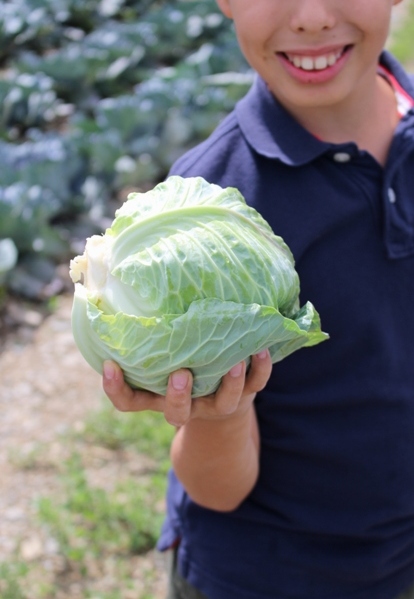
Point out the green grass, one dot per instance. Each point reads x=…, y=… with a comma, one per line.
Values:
x=101, y=533
x=93, y=523
x=147, y=432
x=401, y=44
x=11, y=575
x=97, y=529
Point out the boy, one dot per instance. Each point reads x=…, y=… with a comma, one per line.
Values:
x=298, y=482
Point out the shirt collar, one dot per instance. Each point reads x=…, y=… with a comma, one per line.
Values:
x=272, y=132
x=405, y=81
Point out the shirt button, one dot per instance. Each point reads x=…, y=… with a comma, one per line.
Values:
x=342, y=157
x=392, y=198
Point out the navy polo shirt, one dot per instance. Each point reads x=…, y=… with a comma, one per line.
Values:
x=332, y=514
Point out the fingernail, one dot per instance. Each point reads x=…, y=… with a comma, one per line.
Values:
x=108, y=371
x=236, y=370
x=262, y=354
x=179, y=380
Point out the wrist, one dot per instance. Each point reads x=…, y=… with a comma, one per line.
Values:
x=218, y=461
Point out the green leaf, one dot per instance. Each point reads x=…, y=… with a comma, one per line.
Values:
x=187, y=276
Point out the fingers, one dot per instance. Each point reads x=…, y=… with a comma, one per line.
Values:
x=123, y=397
x=237, y=384
x=226, y=400
x=177, y=406
x=236, y=390
x=259, y=373
x=228, y=395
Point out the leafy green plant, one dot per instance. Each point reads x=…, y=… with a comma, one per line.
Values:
x=81, y=78
x=8, y=257
x=88, y=70
x=187, y=276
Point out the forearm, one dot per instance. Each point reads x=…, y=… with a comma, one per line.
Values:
x=218, y=461
x=215, y=452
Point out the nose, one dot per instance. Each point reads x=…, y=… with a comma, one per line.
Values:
x=312, y=16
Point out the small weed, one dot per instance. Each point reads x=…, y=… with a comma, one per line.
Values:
x=92, y=523
x=147, y=432
x=11, y=574
x=32, y=458
x=103, y=535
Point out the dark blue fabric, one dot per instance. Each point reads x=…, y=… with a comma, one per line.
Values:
x=332, y=515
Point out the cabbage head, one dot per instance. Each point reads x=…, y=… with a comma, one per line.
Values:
x=188, y=275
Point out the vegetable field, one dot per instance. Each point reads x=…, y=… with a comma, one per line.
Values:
x=98, y=97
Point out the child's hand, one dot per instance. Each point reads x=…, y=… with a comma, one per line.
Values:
x=235, y=394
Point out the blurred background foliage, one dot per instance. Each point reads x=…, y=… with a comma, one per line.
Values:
x=98, y=97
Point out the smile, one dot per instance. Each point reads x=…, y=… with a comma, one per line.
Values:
x=314, y=63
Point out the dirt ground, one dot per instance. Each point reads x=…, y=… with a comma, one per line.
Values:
x=46, y=388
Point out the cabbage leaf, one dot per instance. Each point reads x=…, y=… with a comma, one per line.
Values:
x=187, y=276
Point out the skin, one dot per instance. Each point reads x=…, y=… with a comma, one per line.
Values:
x=348, y=101
x=215, y=452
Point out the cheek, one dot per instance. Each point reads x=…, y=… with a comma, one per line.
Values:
x=373, y=18
x=254, y=34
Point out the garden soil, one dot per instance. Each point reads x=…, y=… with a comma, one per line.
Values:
x=46, y=391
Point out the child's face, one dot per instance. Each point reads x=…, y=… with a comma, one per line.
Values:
x=312, y=53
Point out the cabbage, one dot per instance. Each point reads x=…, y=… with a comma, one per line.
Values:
x=190, y=276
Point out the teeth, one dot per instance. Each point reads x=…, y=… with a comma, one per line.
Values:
x=332, y=58
x=311, y=63
x=307, y=63
x=321, y=62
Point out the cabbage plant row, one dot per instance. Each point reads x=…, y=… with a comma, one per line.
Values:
x=98, y=97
